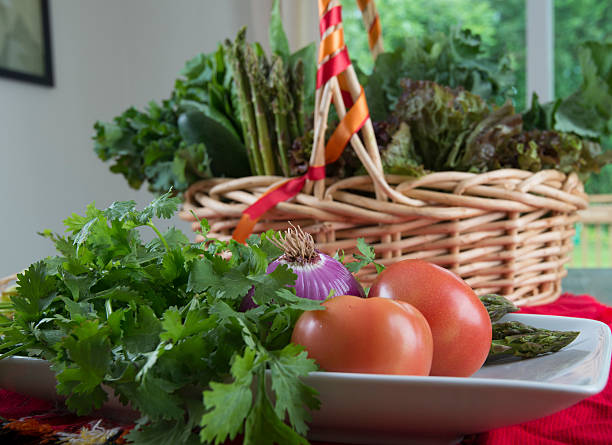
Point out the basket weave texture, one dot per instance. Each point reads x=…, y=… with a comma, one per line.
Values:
x=505, y=231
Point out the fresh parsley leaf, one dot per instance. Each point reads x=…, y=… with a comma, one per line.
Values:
x=74, y=223
x=88, y=348
x=266, y=284
x=141, y=330
x=235, y=285
x=228, y=404
x=292, y=395
x=289, y=298
x=78, y=285
x=120, y=210
x=82, y=235
x=173, y=265
x=227, y=315
x=164, y=206
x=367, y=257
x=80, y=402
x=153, y=321
x=165, y=432
x=156, y=398
x=263, y=242
x=203, y=276
x=251, y=256
x=36, y=291
x=263, y=427
x=175, y=330
x=204, y=225
x=79, y=311
x=118, y=293
x=174, y=238
x=114, y=321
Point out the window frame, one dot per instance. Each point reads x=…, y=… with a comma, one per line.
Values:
x=540, y=42
x=539, y=39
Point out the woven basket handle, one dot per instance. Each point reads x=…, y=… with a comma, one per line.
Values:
x=371, y=21
x=337, y=82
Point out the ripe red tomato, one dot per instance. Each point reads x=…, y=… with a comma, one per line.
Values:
x=459, y=322
x=369, y=335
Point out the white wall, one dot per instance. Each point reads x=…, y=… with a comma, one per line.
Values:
x=108, y=55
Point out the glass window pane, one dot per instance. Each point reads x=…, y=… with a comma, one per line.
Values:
x=576, y=22
x=501, y=26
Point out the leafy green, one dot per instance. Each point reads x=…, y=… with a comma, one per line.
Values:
x=540, y=116
x=39, y=289
x=159, y=324
x=305, y=59
x=273, y=95
x=398, y=156
x=229, y=401
x=537, y=150
x=367, y=257
x=436, y=128
x=184, y=138
x=453, y=59
x=492, y=135
x=588, y=111
x=279, y=44
x=226, y=150
x=206, y=128
x=301, y=86
x=440, y=120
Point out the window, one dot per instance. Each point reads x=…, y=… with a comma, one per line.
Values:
x=576, y=22
x=501, y=26
x=556, y=30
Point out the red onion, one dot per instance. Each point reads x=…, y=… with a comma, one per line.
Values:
x=317, y=273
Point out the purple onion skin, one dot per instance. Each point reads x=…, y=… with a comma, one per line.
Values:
x=247, y=302
x=315, y=281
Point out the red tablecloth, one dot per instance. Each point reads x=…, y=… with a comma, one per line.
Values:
x=588, y=422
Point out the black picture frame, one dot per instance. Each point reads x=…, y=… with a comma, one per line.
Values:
x=45, y=75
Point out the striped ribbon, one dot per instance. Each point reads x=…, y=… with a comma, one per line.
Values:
x=333, y=62
x=268, y=200
x=371, y=20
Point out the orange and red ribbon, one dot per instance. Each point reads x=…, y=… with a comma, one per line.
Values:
x=371, y=20
x=268, y=200
x=333, y=60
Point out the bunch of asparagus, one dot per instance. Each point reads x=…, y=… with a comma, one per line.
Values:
x=518, y=339
x=270, y=96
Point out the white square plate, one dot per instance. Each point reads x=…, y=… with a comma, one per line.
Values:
x=384, y=409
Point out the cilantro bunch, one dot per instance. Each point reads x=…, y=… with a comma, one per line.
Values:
x=158, y=323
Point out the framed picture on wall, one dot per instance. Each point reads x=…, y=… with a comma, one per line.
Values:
x=25, y=41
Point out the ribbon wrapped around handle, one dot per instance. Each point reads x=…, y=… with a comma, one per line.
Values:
x=334, y=61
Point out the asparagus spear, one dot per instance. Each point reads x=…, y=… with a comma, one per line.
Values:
x=260, y=99
x=281, y=106
x=247, y=114
x=297, y=91
x=518, y=339
x=497, y=306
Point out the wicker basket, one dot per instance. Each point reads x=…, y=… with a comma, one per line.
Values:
x=506, y=231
